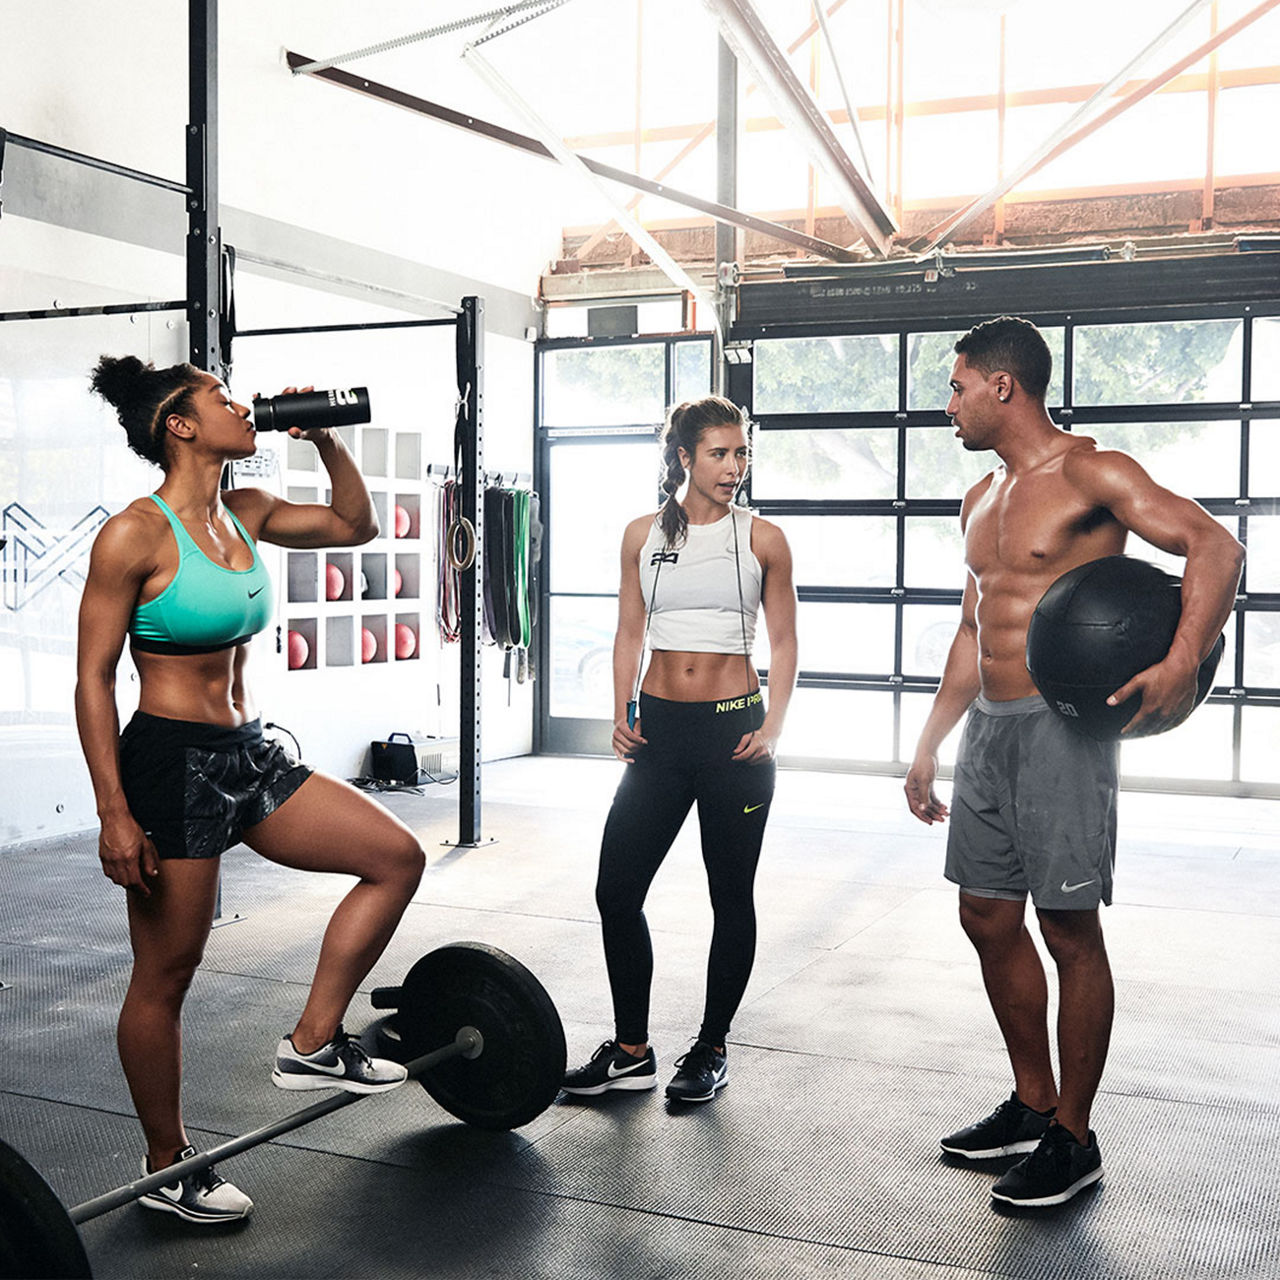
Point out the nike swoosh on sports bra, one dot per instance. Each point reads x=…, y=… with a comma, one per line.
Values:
x=207, y=606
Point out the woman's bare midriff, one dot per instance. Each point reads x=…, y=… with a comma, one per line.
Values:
x=205, y=687
x=699, y=677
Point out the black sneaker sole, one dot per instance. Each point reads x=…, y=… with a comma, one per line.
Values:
x=636, y=1083
x=1047, y=1202
x=676, y=1096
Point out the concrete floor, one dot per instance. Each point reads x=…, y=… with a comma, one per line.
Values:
x=865, y=1034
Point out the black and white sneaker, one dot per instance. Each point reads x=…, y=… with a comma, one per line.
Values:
x=701, y=1071
x=1013, y=1128
x=612, y=1067
x=1055, y=1171
x=340, y=1064
x=204, y=1196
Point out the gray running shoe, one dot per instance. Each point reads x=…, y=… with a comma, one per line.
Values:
x=204, y=1196
x=340, y=1064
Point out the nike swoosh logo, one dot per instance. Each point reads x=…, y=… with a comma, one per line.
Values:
x=616, y=1071
x=751, y=808
x=1071, y=888
x=254, y=593
x=336, y=1070
x=173, y=1193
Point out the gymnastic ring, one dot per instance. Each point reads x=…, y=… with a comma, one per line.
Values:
x=463, y=529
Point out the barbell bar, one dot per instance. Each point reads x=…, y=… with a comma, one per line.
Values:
x=501, y=1068
x=469, y=1043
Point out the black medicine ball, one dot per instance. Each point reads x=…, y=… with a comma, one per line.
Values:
x=1097, y=627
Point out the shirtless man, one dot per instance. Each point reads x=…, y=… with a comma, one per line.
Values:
x=1034, y=804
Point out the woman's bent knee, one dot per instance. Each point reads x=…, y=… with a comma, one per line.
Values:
x=408, y=861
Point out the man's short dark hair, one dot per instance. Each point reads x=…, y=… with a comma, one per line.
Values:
x=1012, y=345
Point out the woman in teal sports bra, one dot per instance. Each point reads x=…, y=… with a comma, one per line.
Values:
x=177, y=574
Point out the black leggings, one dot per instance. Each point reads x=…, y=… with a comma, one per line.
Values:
x=687, y=759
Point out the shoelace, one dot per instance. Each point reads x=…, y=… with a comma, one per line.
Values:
x=343, y=1041
x=207, y=1180
x=700, y=1058
x=606, y=1050
x=1051, y=1150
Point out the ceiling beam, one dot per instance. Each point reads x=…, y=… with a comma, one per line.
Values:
x=522, y=142
x=745, y=33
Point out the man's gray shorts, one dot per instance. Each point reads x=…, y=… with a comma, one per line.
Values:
x=1033, y=809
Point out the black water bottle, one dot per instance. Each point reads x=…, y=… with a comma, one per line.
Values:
x=311, y=409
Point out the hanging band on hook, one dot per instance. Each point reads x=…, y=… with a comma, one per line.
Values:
x=460, y=544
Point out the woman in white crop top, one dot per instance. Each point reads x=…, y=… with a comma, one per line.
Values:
x=693, y=579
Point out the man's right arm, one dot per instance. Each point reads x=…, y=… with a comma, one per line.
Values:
x=959, y=686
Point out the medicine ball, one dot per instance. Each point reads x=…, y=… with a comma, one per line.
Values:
x=1094, y=629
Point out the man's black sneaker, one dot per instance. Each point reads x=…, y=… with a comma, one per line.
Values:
x=1052, y=1173
x=204, y=1196
x=699, y=1074
x=1011, y=1129
x=340, y=1064
x=612, y=1067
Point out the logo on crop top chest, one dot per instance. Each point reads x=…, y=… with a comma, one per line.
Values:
x=254, y=593
x=663, y=557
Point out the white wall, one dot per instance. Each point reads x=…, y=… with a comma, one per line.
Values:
x=110, y=80
x=311, y=172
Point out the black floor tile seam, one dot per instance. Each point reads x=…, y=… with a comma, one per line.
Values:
x=290, y=1141
x=912, y=891
x=501, y=911
x=819, y=954
x=1256, y=1107
x=841, y=1058
x=1129, y=905
x=921, y=1068
x=64, y=946
x=967, y=1268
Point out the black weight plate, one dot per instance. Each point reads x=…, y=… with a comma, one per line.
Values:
x=38, y=1240
x=518, y=1073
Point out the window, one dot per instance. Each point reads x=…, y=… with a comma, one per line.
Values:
x=857, y=463
x=855, y=460
x=598, y=466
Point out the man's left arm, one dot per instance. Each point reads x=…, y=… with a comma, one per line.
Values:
x=1209, y=580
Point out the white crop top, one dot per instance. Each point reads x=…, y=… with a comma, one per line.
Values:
x=696, y=609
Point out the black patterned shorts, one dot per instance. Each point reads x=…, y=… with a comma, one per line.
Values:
x=193, y=788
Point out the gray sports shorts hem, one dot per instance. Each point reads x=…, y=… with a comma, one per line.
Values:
x=1033, y=810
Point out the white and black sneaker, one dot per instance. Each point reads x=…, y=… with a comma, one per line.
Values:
x=340, y=1064
x=701, y=1071
x=204, y=1196
x=1012, y=1129
x=612, y=1067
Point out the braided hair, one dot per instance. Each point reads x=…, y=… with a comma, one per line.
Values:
x=143, y=397
x=685, y=425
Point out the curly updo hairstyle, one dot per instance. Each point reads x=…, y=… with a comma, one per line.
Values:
x=143, y=397
x=685, y=425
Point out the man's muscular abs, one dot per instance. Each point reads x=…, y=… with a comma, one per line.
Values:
x=1022, y=532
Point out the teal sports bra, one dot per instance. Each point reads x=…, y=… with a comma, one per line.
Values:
x=207, y=606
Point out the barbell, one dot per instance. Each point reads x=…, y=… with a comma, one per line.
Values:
x=473, y=1026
